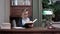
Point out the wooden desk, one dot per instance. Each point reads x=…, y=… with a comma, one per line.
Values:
x=30, y=31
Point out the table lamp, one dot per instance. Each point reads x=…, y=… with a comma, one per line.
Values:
x=48, y=16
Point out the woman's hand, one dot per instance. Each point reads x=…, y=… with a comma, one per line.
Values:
x=30, y=24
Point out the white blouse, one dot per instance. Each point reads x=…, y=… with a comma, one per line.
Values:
x=25, y=20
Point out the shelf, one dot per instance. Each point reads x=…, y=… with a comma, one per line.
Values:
x=21, y=5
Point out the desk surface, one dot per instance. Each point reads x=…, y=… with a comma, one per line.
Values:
x=37, y=29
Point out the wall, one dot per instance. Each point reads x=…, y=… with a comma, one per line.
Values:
x=37, y=12
x=4, y=11
x=1, y=11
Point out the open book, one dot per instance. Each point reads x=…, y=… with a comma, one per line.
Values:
x=31, y=22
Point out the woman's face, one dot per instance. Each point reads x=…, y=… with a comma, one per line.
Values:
x=25, y=14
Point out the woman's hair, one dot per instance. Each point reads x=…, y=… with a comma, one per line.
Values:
x=24, y=10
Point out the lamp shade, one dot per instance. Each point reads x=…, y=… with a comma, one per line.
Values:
x=47, y=12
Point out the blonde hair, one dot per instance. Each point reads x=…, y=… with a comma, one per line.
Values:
x=24, y=10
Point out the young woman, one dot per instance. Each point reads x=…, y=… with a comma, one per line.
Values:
x=25, y=19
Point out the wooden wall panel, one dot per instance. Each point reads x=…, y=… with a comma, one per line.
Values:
x=15, y=11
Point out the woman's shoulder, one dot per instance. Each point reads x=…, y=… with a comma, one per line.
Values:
x=31, y=18
x=18, y=18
